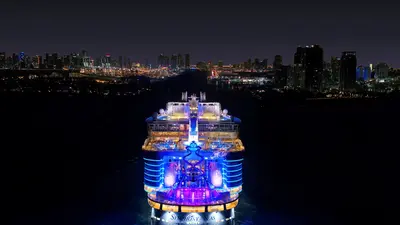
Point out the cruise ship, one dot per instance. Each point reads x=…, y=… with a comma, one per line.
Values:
x=193, y=163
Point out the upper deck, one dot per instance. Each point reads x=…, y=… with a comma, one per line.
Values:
x=209, y=116
x=192, y=119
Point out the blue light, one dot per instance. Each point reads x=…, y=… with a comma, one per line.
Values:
x=232, y=171
x=148, y=164
x=153, y=160
x=153, y=180
x=151, y=175
x=232, y=165
x=151, y=170
x=234, y=160
x=239, y=174
x=233, y=181
x=366, y=74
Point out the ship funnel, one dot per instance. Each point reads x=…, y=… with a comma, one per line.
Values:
x=184, y=96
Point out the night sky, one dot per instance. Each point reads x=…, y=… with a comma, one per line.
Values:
x=226, y=31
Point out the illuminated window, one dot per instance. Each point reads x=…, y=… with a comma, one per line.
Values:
x=171, y=208
x=232, y=204
x=155, y=205
x=189, y=209
x=214, y=208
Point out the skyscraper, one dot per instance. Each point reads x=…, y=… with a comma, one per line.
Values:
x=54, y=58
x=348, y=69
x=163, y=60
x=310, y=62
x=363, y=72
x=335, y=69
x=381, y=70
x=264, y=64
x=181, y=62
x=120, y=62
x=22, y=60
x=277, y=62
x=187, y=61
x=257, y=64
x=2, y=59
x=174, y=61
x=107, y=61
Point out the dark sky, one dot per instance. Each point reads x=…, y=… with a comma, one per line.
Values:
x=227, y=31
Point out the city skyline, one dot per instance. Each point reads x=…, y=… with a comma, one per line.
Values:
x=153, y=59
x=210, y=32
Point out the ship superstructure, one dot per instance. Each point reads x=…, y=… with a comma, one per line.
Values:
x=193, y=162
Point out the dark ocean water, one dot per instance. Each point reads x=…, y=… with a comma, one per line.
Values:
x=77, y=160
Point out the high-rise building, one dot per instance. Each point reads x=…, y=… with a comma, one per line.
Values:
x=52, y=60
x=363, y=72
x=2, y=59
x=15, y=60
x=28, y=62
x=282, y=75
x=257, y=64
x=107, y=61
x=299, y=56
x=314, y=64
x=309, y=61
x=9, y=62
x=335, y=69
x=174, y=61
x=46, y=60
x=297, y=76
x=187, y=61
x=264, y=64
x=120, y=63
x=67, y=60
x=86, y=61
x=161, y=60
x=37, y=61
x=348, y=69
x=21, y=60
x=129, y=63
x=381, y=70
x=76, y=60
x=277, y=62
x=181, y=62
x=125, y=62
x=21, y=56
x=59, y=63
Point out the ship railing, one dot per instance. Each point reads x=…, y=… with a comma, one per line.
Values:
x=219, y=127
x=164, y=127
x=202, y=127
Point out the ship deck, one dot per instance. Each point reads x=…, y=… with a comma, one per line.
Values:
x=177, y=144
